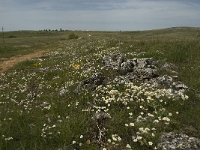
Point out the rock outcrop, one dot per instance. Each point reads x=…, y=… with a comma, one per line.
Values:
x=137, y=70
x=174, y=141
x=141, y=70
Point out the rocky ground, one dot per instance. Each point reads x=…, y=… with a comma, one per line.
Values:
x=140, y=76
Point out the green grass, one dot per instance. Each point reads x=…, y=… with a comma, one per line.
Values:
x=24, y=42
x=31, y=102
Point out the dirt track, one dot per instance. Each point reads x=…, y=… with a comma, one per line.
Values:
x=7, y=64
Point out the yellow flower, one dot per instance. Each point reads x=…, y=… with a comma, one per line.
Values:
x=37, y=65
x=76, y=66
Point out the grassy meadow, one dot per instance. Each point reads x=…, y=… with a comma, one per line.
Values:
x=40, y=110
x=24, y=42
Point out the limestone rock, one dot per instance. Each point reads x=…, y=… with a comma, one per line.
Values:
x=92, y=82
x=101, y=115
x=127, y=66
x=114, y=60
x=173, y=141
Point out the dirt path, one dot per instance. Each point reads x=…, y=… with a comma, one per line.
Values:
x=7, y=64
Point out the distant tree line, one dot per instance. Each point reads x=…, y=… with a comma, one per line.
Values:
x=54, y=30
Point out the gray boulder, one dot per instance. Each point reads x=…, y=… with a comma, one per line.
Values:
x=174, y=141
x=127, y=66
x=146, y=73
x=114, y=60
x=146, y=63
x=91, y=83
x=165, y=80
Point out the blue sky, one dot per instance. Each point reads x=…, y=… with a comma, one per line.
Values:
x=98, y=14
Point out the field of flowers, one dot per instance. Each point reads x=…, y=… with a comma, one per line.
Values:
x=49, y=103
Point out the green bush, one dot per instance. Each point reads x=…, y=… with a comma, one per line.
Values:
x=72, y=36
x=12, y=36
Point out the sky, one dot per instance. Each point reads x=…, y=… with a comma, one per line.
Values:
x=98, y=14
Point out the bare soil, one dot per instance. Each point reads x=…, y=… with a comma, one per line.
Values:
x=6, y=64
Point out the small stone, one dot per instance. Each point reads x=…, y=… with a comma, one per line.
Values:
x=180, y=85
x=88, y=142
x=101, y=115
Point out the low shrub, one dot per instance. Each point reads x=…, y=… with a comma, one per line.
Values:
x=72, y=36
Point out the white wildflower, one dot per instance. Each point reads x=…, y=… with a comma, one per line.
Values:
x=80, y=144
x=8, y=138
x=126, y=124
x=150, y=143
x=156, y=121
x=128, y=146
x=166, y=119
x=109, y=140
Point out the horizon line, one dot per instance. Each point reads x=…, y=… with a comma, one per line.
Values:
x=98, y=30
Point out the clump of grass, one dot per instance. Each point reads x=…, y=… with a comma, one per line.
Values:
x=8, y=51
